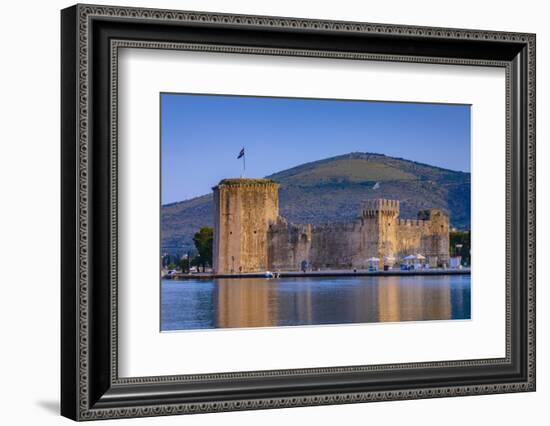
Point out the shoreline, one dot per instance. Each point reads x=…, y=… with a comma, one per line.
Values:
x=333, y=273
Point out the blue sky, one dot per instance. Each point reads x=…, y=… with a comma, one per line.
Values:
x=201, y=136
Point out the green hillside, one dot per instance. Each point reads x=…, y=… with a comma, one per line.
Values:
x=333, y=190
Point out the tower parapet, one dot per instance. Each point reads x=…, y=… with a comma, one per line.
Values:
x=380, y=206
x=429, y=214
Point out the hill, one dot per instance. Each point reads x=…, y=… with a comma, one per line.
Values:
x=333, y=189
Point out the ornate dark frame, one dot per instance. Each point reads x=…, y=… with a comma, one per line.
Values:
x=91, y=37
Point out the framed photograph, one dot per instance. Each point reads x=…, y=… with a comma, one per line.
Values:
x=263, y=212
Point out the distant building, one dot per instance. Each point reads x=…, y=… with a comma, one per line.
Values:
x=250, y=236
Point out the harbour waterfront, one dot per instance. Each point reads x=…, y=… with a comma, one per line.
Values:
x=258, y=302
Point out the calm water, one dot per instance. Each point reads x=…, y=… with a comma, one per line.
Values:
x=256, y=302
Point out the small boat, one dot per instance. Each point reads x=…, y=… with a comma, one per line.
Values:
x=268, y=274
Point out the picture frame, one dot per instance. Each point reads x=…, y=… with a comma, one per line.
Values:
x=90, y=384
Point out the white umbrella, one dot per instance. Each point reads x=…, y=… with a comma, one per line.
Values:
x=420, y=257
x=389, y=261
x=373, y=259
x=410, y=257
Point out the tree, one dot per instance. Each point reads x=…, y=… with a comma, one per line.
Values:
x=459, y=242
x=185, y=264
x=204, y=242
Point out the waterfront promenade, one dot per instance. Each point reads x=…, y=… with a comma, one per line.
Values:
x=326, y=273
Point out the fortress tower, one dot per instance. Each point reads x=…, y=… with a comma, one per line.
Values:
x=243, y=210
x=435, y=240
x=379, y=232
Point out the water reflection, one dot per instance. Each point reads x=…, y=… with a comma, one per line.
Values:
x=417, y=299
x=251, y=302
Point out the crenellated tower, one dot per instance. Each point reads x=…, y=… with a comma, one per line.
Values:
x=379, y=218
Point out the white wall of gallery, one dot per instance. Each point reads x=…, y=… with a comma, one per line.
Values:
x=30, y=226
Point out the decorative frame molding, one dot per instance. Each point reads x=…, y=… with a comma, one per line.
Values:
x=91, y=388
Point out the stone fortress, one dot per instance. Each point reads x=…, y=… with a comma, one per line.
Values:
x=250, y=236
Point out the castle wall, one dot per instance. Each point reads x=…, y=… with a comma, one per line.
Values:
x=335, y=245
x=244, y=208
x=377, y=233
x=288, y=244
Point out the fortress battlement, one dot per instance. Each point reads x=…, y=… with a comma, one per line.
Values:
x=380, y=206
x=412, y=222
x=429, y=214
x=245, y=182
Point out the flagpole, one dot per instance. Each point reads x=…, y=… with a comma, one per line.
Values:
x=242, y=154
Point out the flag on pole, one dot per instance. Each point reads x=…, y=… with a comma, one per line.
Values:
x=241, y=155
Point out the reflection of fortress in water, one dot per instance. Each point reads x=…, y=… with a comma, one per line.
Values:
x=250, y=236
x=259, y=303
